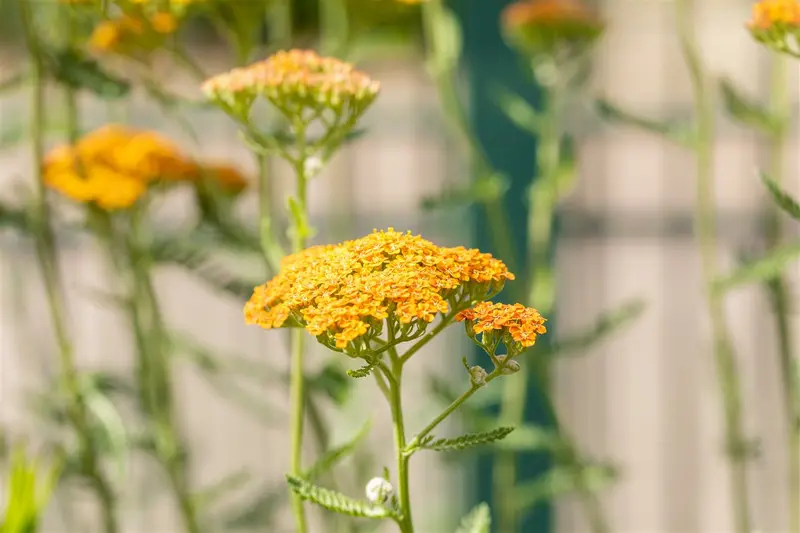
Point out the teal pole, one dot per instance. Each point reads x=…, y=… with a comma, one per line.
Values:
x=491, y=64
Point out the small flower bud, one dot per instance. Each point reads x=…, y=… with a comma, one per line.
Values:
x=509, y=367
x=312, y=166
x=379, y=490
x=477, y=376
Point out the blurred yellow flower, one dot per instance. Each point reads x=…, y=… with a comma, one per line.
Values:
x=341, y=293
x=295, y=81
x=776, y=23
x=522, y=324
x=113, y=166
x=224, y=177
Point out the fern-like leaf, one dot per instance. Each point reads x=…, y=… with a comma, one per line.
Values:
x=465, y=441
x=364, y=371
x=336, y=501
x=478, y=520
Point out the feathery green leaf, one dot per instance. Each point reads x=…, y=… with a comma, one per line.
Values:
x=468, y=440
x=336, y=501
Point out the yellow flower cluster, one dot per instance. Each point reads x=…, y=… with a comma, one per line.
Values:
x=128, y=34
x=522, y=324
x=768, y=13
x=294, y=81
x=342, y=292
x=542, y=26
x=112, y=167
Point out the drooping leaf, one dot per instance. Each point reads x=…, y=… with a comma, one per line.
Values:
x=747, y=111
x=767, y=268
x=478, y=520
x=677, y=132
x=72, y=68
x=562, y=480
x=336, y=454
x=781, y=198
x=606, y=324
x=336, y=501
x=532, y=438
x=518, y=110
x=232, y=482
x=110, y=425
x=332, y=381
x=485, y=189
x=468, y=440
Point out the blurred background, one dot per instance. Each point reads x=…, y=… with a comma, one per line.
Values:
x=646, y=399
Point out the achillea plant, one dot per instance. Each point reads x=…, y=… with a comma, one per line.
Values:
x=369, y=297
x=776, y=23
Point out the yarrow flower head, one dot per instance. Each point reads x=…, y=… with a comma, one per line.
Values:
x=114, y=165
x=300, y=83
x=516, y=326
x=558, y=28
x=343, y=294
x=776, y=23
x=131, y=35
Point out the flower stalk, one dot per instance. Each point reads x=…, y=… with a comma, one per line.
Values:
x=48, y=262
x=705, y=220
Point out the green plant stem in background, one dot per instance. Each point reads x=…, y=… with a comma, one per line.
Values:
x=48, y=262
x=705, y=219
x=443, y=69
x=334, y=27
x=780, y=106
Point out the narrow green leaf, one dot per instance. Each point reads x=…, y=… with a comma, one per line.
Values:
x=679, y=133
x=605, y=325
x=13, y=217
x=336, y=501
x=518, y=110
x=760, y=270
x=72, y=68
x=746, y=110
x=485, y=189
x=465, y=441
x=447, y=40
x=562, y=480
x=335, y=455
x=230, y=483
x=781, y=198
x=478, y=520
x=111, y=426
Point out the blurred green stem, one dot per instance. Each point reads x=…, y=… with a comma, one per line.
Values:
x=540, y=289
x=444, y=71
x=281, y=23
x=705, y=219
x=780, y=106
x=334, y=29
x=48, y=262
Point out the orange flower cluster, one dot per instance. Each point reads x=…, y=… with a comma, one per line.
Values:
x=776, y=23
x=543, y=26
x=522, y=324
x=114, y=165
x=769, y=13
x=342, y=292
x=295, y=81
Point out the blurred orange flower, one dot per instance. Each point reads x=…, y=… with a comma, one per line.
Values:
x=776, y=23
x=546, y=26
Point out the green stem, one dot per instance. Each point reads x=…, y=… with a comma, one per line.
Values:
x=445, y=79
x=48, y=262
x=281, y=23
x=333, y=27
x=297, y=379
x=705, y=215
x=446, y=321
x=396, y=400
x=780, y=106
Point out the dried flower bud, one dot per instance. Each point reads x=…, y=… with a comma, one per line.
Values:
x=477, y=375
x=551, y=27
x=776, y=23
x=379, y=490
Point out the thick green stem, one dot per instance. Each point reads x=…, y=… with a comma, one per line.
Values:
x=333, y=27
x=396, y=400
x=780, y=106
x=705, y=219
x=48, y=262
